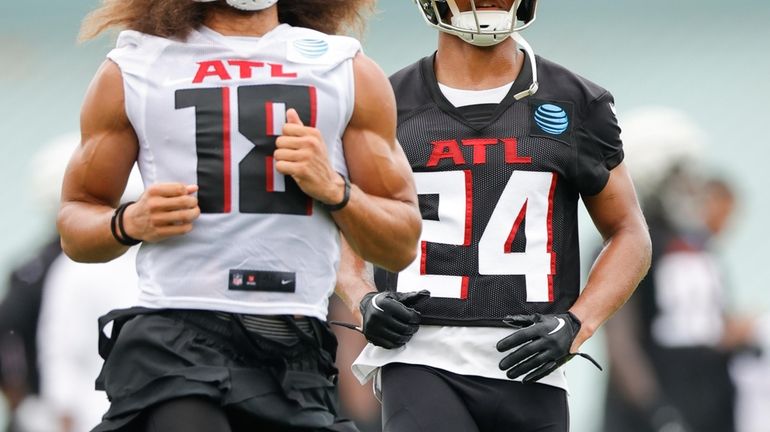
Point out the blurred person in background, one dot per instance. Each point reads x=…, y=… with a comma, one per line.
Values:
x=751, y=373
x=76, y=295
x=503, y=145
x=356, y=401
x=20, y=307
x=262, y=138
x=669, y=346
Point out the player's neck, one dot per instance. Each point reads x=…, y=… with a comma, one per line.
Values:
x=464, y=66
x=232, y=22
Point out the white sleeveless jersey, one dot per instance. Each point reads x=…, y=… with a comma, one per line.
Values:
x=207, y=111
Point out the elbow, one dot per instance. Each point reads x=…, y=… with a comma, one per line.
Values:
x=70, y=245
x=67, y=246
x=402, y=260
x=71, y=250
x=645, y=247
x=405, y=252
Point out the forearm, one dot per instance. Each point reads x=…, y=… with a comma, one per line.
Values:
x=351, y=289
x=354, y=280
x=617, y=271
x=381, y=231
x=85, y=232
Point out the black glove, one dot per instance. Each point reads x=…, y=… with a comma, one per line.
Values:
x=541, y=346
x=388, y=319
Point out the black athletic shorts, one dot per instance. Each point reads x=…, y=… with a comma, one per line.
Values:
x=154, y=356
x=418, y=398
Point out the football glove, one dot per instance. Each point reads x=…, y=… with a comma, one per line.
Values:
x=388, y=319
x=540, y=346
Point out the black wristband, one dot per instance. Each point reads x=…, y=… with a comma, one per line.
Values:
x=345, y=197
x=116, y=226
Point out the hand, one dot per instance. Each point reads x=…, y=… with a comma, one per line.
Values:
x=541, y=345
x=164, y=210
x=301, y=153
x=388, y=321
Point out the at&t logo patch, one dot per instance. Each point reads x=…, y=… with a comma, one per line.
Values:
x=311, y=48
x=552, y=119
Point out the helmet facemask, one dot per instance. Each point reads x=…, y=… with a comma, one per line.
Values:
x=478, y=27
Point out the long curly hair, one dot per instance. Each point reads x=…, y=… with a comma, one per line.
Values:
x=176, y=18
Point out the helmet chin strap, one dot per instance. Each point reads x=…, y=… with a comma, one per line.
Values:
x=247, y=5
x=532, y=63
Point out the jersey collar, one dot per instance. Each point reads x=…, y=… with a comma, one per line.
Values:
x=428, y=72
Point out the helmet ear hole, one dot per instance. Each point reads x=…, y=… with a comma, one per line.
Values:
x=430, y=13
x=526, y=11
x=443, y=8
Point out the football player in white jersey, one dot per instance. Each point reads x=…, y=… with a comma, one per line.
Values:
x=503, y=145
x=262, y=139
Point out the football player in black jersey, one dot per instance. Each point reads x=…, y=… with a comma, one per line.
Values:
x=676, y=327
x=503, y=144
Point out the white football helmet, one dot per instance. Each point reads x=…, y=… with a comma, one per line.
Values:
x=478, y=27
x=247, y=5
x=485, y=27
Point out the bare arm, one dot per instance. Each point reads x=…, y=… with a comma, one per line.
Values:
x=353, y=280
x=97, y=174
x=376, y=163
x=382, y=222
x=98, y=171
x=624, y=260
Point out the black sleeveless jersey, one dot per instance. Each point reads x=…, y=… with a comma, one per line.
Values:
x=498, y=187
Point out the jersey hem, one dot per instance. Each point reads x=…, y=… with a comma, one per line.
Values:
x=366, y=371
x=236, y=307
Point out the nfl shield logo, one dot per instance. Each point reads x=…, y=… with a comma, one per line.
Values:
x=237, y=279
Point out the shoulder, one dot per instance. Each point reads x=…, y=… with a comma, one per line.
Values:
x=559, y=83
x=135, y=50
x=374, y=106
x=132, y=39
x=371, y=83
x=410, y=87
x=585, y=114
x=408, y=76
x=314, y=43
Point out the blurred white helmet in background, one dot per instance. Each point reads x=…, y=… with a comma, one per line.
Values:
x=658, y=140
x=47, y=168
x=665, y=154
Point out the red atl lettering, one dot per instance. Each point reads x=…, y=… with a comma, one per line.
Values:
x=211, y=68
x=446, y=149
x=512, y=152
x=244, y=69
x=245, y=66
x=480, y=148
x=450, y=149
x=276, y=71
